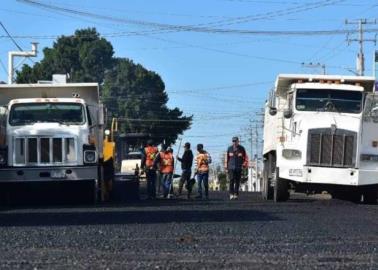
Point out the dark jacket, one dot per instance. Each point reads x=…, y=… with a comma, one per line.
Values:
x=186, y=160
x=235, y=157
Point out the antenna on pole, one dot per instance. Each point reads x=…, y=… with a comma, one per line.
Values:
x=315, y=65
x=360, y=56
x=13, y=54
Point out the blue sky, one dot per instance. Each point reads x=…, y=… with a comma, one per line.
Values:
x=220, y=78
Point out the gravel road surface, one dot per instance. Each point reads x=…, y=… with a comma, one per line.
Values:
x=304, y=233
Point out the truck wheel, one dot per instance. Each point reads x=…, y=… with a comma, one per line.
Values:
x=370, y=196
x=95, y=192
x=281, y=189
x=354, y=196
x=348, y=194
x=266, y=189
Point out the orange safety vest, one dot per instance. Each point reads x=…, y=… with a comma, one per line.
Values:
x=202, y=162
x=151, y=152
x=166, y=162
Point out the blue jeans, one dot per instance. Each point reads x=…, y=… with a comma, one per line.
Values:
x=166, y=178
x=203, y=177
x=151, y=183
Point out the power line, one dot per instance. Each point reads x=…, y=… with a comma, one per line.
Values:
x=11, y=38
x=200, y=28
x=269, y=33
x=221, y=87
x=307, y=5
x=15, y=43
x=3, y=66
x=166, y=28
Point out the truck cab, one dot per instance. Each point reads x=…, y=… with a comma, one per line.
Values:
x=319, y=135
x=51, y=132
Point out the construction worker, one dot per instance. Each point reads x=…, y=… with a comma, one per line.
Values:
x=186, y=167
x=165, y=161
x=171, y=193
x=149, y=154
x=203, y=159
x=236, y=159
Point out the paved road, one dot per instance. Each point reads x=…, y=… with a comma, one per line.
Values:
x=304, y=233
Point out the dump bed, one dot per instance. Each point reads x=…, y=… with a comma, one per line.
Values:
x=87, y=91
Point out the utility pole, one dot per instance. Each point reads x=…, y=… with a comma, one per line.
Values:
x=254, y=143
x=251, y=130
x=257, y=151
x=360, y=40
x=250, y=170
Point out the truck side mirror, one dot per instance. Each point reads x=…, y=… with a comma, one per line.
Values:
x=272, y=111
x=288, y=113
x=374, y=111
x=374, y=114
x=101, y=116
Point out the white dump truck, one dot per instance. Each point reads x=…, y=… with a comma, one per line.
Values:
x=51, y=132
x=321, y=134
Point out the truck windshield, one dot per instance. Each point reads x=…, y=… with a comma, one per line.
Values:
x=328, y=100
x=29, y=113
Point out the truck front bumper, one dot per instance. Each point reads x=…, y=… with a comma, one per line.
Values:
x=29, y=174
x=335, y=176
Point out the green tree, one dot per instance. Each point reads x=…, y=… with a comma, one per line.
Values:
x=85, y=56
x=137, y=96
x=130, y=92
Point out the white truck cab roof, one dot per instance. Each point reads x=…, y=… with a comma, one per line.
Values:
x=85, y=91
x=356, y=83
x=46, y=100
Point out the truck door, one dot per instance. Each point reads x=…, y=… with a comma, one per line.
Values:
x=3, y=124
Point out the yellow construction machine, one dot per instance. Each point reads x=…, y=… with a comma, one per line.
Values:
x=109, y=155
x=122, y=158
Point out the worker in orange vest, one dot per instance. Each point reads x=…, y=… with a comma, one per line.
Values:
x=203, y=159
x=147, y=164
x=166, y=161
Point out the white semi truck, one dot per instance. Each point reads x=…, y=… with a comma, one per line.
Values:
x=321, y=134
x=51, y=132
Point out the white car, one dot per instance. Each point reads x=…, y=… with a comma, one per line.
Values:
x=132, y=163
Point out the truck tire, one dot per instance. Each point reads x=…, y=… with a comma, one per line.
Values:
x=95, y=191
x=266, y=189
x=370, y=195
x=281, y=188
x=348, y=194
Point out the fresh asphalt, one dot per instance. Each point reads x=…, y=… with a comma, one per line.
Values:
x=313, y=232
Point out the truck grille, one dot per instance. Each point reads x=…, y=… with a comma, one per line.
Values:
x=44, y=150
x=331, y=148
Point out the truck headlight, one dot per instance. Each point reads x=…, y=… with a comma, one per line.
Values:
x=291, y=154
x=368, y=157
x=90, y=156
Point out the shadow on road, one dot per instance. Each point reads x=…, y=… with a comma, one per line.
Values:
x=130, y=217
